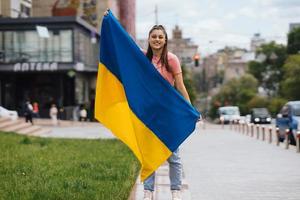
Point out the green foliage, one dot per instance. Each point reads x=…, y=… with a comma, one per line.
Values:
x=275, y=105
x=269, y=72
x=291, y=83
x=256, y=69
x=244, y=96
x=215, y=104
x=258, y=102
x=199, y=82
x=65, y=168
x=189, y=84
x=235, y=92
x=25, y=140
x=293, y=46
x=248, y=82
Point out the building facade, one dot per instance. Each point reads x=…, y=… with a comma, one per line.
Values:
x=256, y=42
x=60, y=69
x=15, y=8
x=224, y=65
x=210, y=69
x=127, y=15
x=238, y=65
x=89, y=10
x=184, y=48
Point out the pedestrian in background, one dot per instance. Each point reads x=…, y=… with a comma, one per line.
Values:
x=82, y=113
x=53, y=114
x=36, y=110
x=28, y=112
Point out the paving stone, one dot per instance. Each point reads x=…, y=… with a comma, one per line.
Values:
x=222, y=164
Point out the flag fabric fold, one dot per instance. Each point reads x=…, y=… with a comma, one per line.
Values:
x=136, y=103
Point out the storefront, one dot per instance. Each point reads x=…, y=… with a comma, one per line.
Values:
x=58, y=69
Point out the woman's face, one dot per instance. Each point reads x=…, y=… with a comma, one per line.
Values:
x=157, y=39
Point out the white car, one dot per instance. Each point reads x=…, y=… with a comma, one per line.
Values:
x=229, y=113
x=13, y=115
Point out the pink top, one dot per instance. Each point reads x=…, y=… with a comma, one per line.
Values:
x=174, y=65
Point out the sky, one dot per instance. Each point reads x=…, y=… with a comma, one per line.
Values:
x=213, y=24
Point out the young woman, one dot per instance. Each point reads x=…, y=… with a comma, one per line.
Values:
x=169, y=67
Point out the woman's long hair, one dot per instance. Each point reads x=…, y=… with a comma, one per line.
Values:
x=164, y=55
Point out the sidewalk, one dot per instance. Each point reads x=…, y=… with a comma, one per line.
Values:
x=222, y=164
x=162, y=181
x=162, y=186
x=75, y=129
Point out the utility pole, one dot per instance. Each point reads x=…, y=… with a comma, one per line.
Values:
x=156, y=14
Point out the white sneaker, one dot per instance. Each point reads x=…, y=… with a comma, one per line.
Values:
x=176, y=195
x=148, y=195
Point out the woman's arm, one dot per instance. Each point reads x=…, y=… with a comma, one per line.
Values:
x=179, y=85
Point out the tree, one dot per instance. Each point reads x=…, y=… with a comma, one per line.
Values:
x=275, y=105
x=256, y=69
x=235, y=92
x=293, y=46
x=269, y=72
x=188, y=82
x=258, y=102
x=291, y=84
x=198, y=82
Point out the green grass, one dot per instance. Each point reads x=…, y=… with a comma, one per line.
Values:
x=39, y=168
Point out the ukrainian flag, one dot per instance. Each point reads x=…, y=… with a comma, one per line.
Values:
x=136, y=103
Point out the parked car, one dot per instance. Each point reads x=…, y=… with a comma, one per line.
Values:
x=289, y=118
x=8, y=113
x=260, y=116
x=229, y=113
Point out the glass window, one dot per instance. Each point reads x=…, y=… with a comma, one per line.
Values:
x=66, y=46
x=87, y=50
x=27, y=46
x=296, y=109
x=1, y=48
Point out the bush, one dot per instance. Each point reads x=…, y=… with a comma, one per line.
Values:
x=258, y=102
x=275, y=105
x=236, y=92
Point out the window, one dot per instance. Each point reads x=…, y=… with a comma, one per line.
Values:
x=26, y=46
x=87, y=52
x=25, y=10
x=1, y=48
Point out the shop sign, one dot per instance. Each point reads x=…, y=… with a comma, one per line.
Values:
x=39, y=66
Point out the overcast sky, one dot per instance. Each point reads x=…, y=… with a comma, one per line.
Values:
x=212, y=24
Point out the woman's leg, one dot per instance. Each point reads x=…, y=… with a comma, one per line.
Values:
x=175, y=171
x=149, y=182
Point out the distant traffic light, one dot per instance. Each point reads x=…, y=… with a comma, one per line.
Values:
x=196, y=59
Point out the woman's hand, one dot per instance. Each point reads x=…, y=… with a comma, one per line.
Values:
x=106, y=12
x=200, y=119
